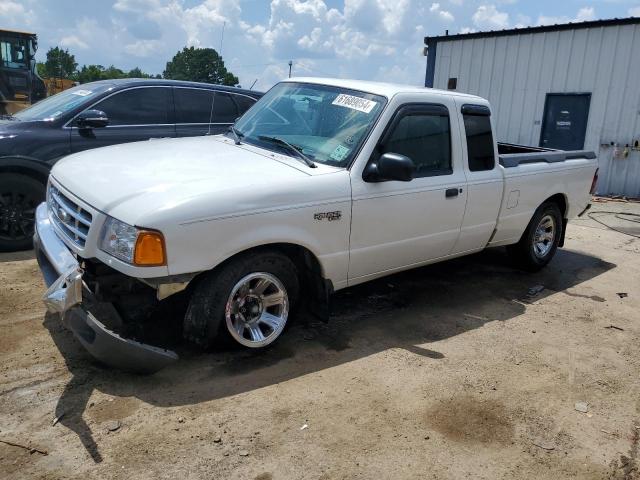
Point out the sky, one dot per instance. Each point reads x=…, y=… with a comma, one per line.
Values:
x=364, y=39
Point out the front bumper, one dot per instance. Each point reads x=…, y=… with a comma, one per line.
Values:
x=63, y=275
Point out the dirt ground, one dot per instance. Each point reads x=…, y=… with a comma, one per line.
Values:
x=447, y=372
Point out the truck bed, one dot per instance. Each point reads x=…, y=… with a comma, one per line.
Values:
x=533, y=175
x=512, y=155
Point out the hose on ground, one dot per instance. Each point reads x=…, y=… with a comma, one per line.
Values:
x=619, y=216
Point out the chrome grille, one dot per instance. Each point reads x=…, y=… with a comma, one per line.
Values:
x=71, y=218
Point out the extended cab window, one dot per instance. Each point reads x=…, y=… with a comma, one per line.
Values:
x=422, y=133
x=477, y=125
x=138, y=106
x=193, y=105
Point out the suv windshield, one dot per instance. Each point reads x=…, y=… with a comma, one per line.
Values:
x=327, y=124
x=52, y=107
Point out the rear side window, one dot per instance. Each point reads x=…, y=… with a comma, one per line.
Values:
x=244, y=103
x=138, y=106
x=224, y=109
x=193, y=105
x=477, y=125
x=423, y=135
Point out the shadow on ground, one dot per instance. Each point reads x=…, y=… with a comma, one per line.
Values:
x=406, y=311
x=17, y=256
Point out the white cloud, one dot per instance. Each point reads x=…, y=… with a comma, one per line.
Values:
x=522, y=21
x=584, y=14
x=488, y=17
x=15, y=13
x=7, y=7
x=143, y=48
x=443, y=15
x=634, y=12
x=136, y=6
x=72, y=41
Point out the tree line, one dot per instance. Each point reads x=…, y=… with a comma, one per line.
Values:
x=190, y=63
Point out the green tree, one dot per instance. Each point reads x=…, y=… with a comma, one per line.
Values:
x=112, y=72
x=60, y=64
x=199, y=65
x=90, y=73
x=41, y=69
x=137, y=73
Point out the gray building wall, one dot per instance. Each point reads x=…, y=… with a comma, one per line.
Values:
x=516, y=71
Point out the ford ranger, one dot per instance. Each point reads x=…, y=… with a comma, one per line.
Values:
x=321, y=185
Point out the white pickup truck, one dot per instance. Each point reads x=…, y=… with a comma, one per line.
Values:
x=321, y=185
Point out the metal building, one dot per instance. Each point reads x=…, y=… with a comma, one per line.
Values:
x=568, y=86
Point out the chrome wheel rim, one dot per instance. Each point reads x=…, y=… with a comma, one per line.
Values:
x=257, y=310
x=544, y=236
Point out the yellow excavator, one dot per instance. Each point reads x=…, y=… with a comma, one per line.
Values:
x=20, y=85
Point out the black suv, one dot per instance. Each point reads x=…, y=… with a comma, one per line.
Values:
x=95, y=115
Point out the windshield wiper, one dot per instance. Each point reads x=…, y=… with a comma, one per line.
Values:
x=237, y=136
x=292, y=148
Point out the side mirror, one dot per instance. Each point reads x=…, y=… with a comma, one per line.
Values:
x=92, y=119
x=390, y=166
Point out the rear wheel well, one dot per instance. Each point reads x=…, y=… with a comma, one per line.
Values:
x=561, y=201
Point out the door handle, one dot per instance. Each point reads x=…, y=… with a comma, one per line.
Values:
x=452, y=192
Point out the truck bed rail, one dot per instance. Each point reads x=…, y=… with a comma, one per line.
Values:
x=509, y=160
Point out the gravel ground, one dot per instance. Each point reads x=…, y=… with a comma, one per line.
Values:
x=450, y=371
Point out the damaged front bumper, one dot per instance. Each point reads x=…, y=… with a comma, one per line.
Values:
x=63, y=275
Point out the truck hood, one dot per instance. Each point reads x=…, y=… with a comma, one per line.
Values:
x=132, y=181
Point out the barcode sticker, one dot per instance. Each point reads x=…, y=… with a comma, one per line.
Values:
x=355, y=103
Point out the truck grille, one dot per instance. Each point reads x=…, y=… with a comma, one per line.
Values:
x=71, y=218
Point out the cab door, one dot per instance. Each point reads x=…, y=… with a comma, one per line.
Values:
x=395, y=224
x=135, y=114
x=485, y=181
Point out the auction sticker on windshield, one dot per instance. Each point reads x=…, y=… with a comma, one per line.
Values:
x=340, y=153
x=355, y=103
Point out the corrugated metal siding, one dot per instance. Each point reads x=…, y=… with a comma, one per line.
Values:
x=516, y=72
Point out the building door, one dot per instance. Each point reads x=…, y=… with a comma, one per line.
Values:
x=564, y=124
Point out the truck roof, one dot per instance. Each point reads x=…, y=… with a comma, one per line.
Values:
x=379, y=88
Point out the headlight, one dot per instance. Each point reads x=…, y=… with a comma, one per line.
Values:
x=133, y=245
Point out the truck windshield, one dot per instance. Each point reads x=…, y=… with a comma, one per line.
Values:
x=52, y=107
x=327, y=124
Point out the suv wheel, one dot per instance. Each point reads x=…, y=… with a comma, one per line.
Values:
x=19, y=197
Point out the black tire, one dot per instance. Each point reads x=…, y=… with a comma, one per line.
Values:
x=19, y=197
x=205, y=322
x=530, y=253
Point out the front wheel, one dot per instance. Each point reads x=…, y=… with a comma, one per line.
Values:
x=248, y=301
x=540, y=240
